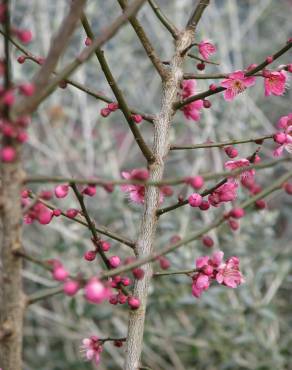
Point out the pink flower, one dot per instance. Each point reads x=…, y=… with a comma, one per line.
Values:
x=95, y=291
x=228, y=274
x=275, y=83
x=59, y=273
x=7, y=154
x=233, y=165
x=206, y=48
x=235, y=84
x=225, y=193
x=192, y=110
x=136, y=192
x=92, y=348
x=284, y=138
x=201, y=282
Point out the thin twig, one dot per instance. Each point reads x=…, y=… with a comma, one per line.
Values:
x=197, y=14
x=107, y=34
x=257, y=140
x=163, y=19
x=145, y=41
x=118, y=94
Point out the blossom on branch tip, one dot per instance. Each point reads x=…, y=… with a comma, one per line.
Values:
x=206, y=48
x=224, y=193
x=275, y=82
x=92, y=347
x=239, y=163
x=236, y=83
x=95, y=291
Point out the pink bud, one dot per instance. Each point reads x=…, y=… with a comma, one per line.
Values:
x=27, y=89
x=105, y=246
x=205, y=205
x=8, y=98
x=21, y=59
x=24, y=36
x=164, y=263
x=61, y=191
x=45, y=216
x=90, y=190
x=57, y=212
x=234, y=225
x=237, y=212
x=46, y=194
x=195, y=200
x=88, y=41
x=201, y=66
x=105, y=112
x=95, y=291
x=288, y=188
x=260, y=204
x=213, y=87
x=231, y=151
x=113, y=106
x=8, y=154
x=60, y=274
x=22, y=137
x=197, y=182
x=207, y=241
x=137, y=118
x=126, y=281
x=207, y=104
x=138, y=273
x=114, y=261
x=89, y=255
x=269, y=59
x=72, y=212
x=113, y=299
x=134, y=303
x=71, y=287
x=122, y=298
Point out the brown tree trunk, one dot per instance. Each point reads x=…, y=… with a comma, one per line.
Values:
x=11, y=296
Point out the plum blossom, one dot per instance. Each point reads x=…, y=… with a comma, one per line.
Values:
x=225, y=193
x=213, y=268
x=228, y=273
x=191, y=111
x=275, y=82
x=92, y=347
x=239, y=163
x=136, y=191
x=95, y=291
x=284, y=137
x=235, y=84
x=206, y=48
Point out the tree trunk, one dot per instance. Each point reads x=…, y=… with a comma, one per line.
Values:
x=144, y=245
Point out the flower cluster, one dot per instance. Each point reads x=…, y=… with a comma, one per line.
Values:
x=112, y=107
x=92, y=347
x=136, y=191
x=213, y=268
x=283, y=137
x=191, y=111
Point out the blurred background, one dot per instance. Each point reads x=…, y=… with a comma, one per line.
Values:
x=246, y=328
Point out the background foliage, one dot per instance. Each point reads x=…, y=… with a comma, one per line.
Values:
x=225, y=329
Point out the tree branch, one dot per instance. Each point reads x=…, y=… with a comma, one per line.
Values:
x=118, y=94
x=163, y=19
x=107, y=34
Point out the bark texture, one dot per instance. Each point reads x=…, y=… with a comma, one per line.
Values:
x=11, y=296
x=144, y=247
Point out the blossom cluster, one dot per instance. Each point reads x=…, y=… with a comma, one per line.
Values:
x=213, y=268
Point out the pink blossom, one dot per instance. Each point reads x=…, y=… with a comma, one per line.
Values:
x=228, y=274
x=192, y=110
x=275, y=83
x=225, y=193
x=235, y=84
x=114, y=261
x=61, y=191
x=134, y=302
x=71, y=287
x=284, y=138
x=59, y=273
x=206, y=48
x=285, y=121
x=7, y=154
x=201, y=282
x=136, y=192
x=95, y=291
x=239, y=163
x=92, y=348
x=195, y=200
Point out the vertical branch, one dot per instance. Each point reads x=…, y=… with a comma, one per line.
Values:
x=144, y=246
x=11, y=296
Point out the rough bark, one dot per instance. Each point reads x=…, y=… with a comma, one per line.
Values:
x=11, y=295
x=148, y=225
